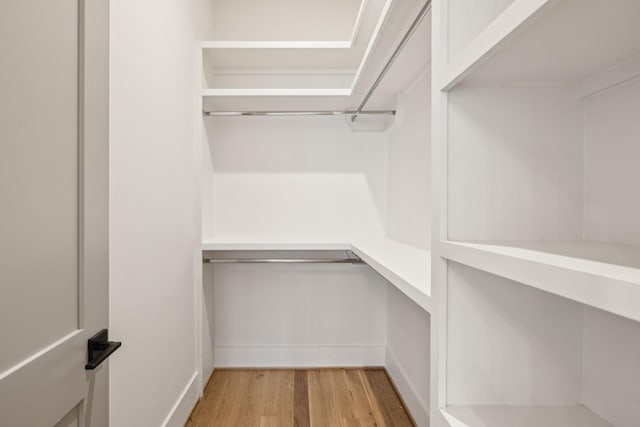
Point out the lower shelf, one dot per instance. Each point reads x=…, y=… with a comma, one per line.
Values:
x=522, y=416
x=603, y=275
x=406, y=267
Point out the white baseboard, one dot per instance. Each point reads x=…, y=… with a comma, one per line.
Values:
x=419, y=410
x=181, y=410
x=299, y=357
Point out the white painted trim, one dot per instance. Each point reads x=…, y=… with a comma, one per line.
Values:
x=282, y=71
x=286, y=44
x=198, y=133
x=419, y=410
x=276, y=44
x=276, y=92
x=39, y=354
x=299, y=356
x=179, y=413
x=372, y=42
x=356, y=27
x=439, y=215
x=610, y=78
x=488, y=41
x=198, y=300
x=275, y=246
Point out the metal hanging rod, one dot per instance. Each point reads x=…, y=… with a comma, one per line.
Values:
x=414, y=26
x=348, y=258
x=298, y=113
x=283, y=261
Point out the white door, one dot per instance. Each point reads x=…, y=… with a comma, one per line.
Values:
x=53, y=210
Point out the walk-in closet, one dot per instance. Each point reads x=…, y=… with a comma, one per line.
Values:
x=507, y=128
x=316, y=199
x=320, y=213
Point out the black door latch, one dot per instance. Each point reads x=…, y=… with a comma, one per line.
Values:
x=99, y=348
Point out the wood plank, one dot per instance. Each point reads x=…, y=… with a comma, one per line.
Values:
x=342, y=396
x=337, y=398
x=211, y=401
x=322, y=405
x=387, y=400
x=230, y=399
x=364, y=404
x=301, y=400
x=278, y=399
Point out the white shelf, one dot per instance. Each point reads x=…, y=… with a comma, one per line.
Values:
x=277, y=44
x=542, y=41
x=241, y=58
x=276, y=246
x=276, y=92
x=603, y=275
x=490, y=39
x=317, y=76
x=522, y=416
x=406, y=267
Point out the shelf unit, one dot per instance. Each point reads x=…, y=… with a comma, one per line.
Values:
x=602, y=275
x=311, y=183
x=463, y=60
x=317, y=75
x=548, y=41
x=405, y=267
x=536, y=264
x=260, y=74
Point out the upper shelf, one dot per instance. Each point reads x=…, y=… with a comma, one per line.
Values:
x=260, y=60
x=603, y=275
x=283, y=20
x=280, y=76
x=549, y=41
x=404, y=266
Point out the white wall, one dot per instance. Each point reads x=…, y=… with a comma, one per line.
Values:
x=509, y=344
x=611, y=376
x=295, y=178
x=612, y=344
x=469, y=18
x=408, y=352
x=611, y=156
x=409, y=221
x=297, y=315
x=515, y=161
x=409, y=175
x=154, y=210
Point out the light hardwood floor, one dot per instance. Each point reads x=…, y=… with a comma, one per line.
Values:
x=300, y=398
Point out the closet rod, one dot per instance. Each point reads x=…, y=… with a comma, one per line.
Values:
x=298, y=113
x=283, y=261
x=423, y=12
